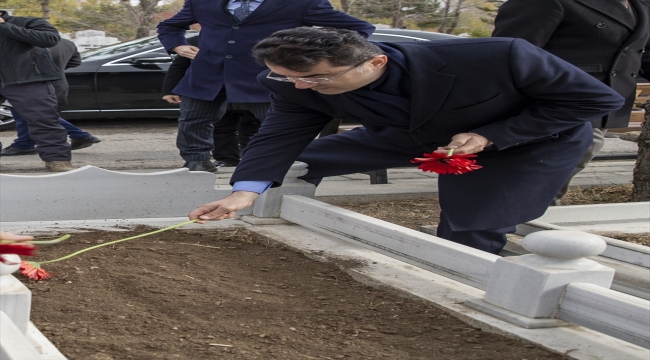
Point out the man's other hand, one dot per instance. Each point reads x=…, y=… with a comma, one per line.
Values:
x=465, y=143
x=172, y=99
x=186, y=51
x=2, y=20
x=224, y=208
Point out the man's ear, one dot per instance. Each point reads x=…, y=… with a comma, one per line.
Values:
x=378, y=61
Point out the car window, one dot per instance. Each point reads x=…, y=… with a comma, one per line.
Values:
x=120, y=48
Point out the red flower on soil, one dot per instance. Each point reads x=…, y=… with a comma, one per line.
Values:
x=441, y=163
x=33, y=270
x=18, y=249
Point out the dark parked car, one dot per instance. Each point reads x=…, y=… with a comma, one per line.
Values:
x=125, y=80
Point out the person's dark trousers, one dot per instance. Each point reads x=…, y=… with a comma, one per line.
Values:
x=248, y=126
x=224, y=134
x=490, y=240
x=36, y=103
x=195, y=125
x=23, y=141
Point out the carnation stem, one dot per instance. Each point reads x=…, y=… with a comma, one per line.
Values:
x=450, y=152
x=117, y=241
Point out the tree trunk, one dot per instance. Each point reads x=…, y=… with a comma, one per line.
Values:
x=444, y=16
x=641, y=174
x=396, y=13
x=455, y=18
x=345, y=7
x=45, y=7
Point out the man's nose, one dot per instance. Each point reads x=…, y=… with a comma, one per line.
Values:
x=303, y=85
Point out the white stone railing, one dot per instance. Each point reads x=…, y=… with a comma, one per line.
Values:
x=620, y=315
x=19, y=339
x=553, y=285
x=450, y=259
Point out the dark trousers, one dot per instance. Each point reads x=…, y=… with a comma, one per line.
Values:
x=490, y=240
x=23, y=141
x=36, y=103
x=198, y=119
x=195, y=126
x=232, y=133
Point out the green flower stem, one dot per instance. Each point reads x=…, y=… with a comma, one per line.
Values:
x=118, y=241
x=450, y=152
x=53, y=241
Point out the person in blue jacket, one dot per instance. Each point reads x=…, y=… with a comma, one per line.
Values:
x=523, y=111
x=222, y=70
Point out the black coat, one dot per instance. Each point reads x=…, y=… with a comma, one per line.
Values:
x=65, y=56
x=534, y=106
x=600, y=37
x=23, y=57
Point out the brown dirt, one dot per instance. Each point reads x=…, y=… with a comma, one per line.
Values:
x=422, y=212
x=232, y=294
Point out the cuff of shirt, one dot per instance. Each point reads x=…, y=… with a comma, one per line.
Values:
x=252, y=186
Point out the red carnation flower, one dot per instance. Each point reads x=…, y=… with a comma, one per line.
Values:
x=33, y=270
x=18, y=249
x=441, y=163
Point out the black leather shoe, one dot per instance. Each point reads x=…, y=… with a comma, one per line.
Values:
x=83, y=143
x=12, y=151
x=219, y=163
x=201, y=166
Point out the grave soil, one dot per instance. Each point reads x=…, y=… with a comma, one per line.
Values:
x=232, y=294
x=415, y=213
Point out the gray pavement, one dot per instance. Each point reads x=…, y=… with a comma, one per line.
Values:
x=151, y=148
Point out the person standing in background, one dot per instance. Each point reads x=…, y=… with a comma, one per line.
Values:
x=65, y=56
x=231, y=133
x=608, y=39
x=223, y=74
x=26, y=72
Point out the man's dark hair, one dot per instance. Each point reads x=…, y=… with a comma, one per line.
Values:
x=301, y=48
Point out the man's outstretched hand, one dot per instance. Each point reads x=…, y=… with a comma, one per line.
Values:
x=224, y=208
x=465, y=143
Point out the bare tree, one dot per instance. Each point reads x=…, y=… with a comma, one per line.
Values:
x=396, y=14
x=143, y=15
x=641, y=174
x=345, y=7
x=45, y=7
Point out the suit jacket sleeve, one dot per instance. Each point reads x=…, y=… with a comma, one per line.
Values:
x=286, y=131
x=177, y=70
x=321, y=13
x=565, y=97
x=36, y=32
x=531, y=20
x=171, y=32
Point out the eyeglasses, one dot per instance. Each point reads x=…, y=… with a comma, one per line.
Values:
x=312, y=80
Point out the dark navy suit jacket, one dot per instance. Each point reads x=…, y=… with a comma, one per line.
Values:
x=225, y=43
x=601, y=37
x=534, y=106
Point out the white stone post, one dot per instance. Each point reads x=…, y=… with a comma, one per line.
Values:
x=527, y=290
x=15, y=298
x=268, y=204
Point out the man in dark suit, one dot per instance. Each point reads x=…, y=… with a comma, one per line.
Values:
x=231, y=133
x=223, y=70
x=608, y=39
x=521, y=108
